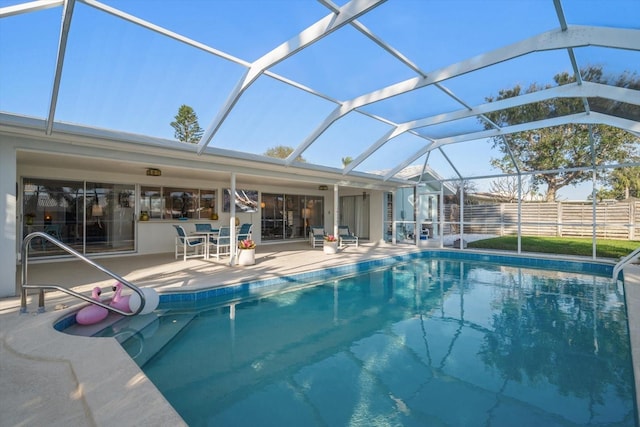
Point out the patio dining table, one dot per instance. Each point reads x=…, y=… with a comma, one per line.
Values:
x=207, y=235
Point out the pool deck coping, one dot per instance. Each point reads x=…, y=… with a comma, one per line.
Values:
x=49, y=375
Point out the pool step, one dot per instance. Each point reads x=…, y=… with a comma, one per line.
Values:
x=144, y=343
x=91, y=330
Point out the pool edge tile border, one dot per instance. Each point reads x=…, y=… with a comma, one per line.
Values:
x=599, y=268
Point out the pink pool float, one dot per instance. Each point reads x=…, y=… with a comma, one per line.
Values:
x=119, y=301
x=92, y=313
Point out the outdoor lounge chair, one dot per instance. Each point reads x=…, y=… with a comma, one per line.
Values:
x=316, y=236
x=188, y=246
x=221, y=243
x=346, y=237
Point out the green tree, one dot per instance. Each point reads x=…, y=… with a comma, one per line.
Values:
x=623, y=183
x=282, y=152
x=346, y=161
x=186, y=125
x=567, y=146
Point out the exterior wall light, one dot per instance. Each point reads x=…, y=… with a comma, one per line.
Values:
x=153, y=172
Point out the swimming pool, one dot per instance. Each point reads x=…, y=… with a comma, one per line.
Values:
x=423, y=342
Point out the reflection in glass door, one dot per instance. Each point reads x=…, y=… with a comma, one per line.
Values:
x=91, y=219
x=289, y=217
x=272, y=216
x=428, y=214
x=54, y=207
x=109, y=217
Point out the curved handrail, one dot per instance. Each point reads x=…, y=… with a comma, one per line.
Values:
x=24, y=286
x=624, y=261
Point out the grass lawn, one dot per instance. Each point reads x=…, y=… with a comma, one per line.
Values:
x=559, y=245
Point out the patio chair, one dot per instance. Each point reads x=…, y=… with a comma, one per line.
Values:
x=316, y=236
x=221, y=243
x=188, y=246
x=203, y=228
x=244, y=232
x=53, y=230
x=346, y=237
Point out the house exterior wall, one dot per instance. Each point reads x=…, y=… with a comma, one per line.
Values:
x=157, y=236
x=153, y=236
x=8, y=212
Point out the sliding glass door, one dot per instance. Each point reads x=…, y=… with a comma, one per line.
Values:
x=89, y=217
x=109, y=219
x=289, y=216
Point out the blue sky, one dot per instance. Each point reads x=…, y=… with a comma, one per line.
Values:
x=120, y=76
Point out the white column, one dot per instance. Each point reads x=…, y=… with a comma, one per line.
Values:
x=394, y=196
x=8, y=214
x=336, y=209
x=441, y=216
x=232, y=220
x=462, y=215
x=519, y=213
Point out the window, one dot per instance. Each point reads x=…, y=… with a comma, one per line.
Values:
x=174, y=203
x=180, y=203
x=151, y=201
x=207, y=203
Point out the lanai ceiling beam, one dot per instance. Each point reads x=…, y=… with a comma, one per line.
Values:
x=573, y=36
x=578, y=118
x=592, y=118
x=572, y=57
x=308, y=36
x=415, y=156
x=163, y=31
x=587, y=89
x=369, y=151
x=377, y=40
x=67, y=13
x=572, y=90
x=28, y=7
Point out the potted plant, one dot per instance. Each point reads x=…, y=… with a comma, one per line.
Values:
x=330, y=245
x=246, y=252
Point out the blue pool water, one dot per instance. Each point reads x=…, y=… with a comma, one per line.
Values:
x=428, y=342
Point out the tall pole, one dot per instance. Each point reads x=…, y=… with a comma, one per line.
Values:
x=233, y=248
x=462, y=215
x=336, y=209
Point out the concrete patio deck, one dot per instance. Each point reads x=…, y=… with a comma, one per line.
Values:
x=55, y=379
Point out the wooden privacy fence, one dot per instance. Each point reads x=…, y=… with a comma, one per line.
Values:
x=614, y=220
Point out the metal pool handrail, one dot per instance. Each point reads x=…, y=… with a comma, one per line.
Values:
x=24, y=286
x=624, y=261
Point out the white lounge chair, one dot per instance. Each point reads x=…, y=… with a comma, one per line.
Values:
x=346, y=237
x=316, y=236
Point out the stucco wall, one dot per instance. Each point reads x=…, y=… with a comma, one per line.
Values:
x=8, y=204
